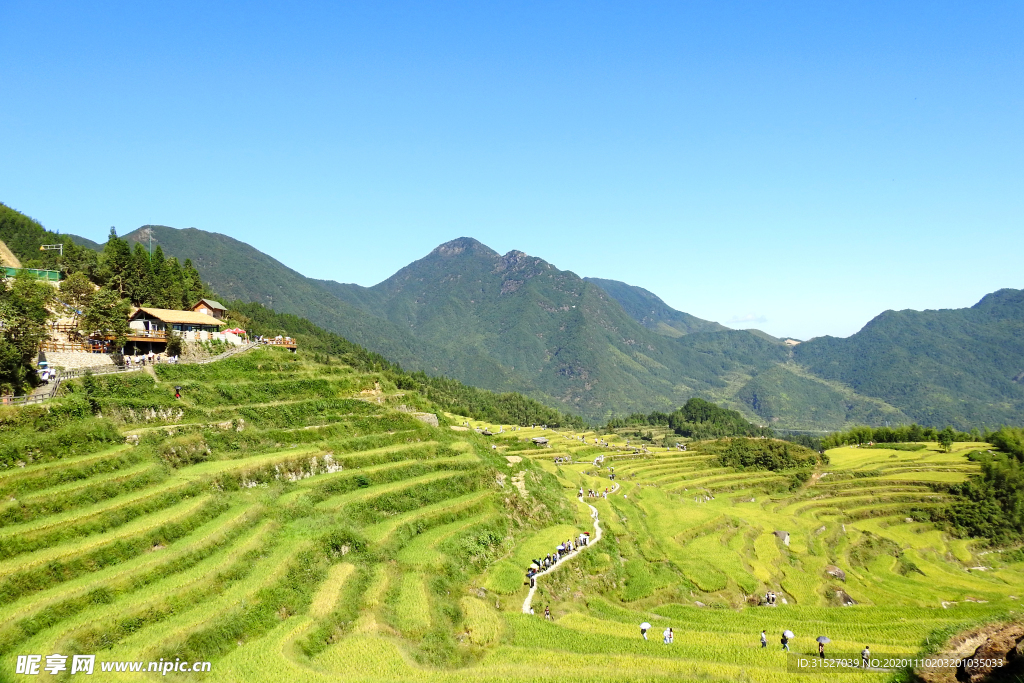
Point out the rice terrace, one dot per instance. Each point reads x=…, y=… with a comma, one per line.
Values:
x=297, y=517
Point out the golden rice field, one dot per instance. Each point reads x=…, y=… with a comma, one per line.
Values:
x=292, y=520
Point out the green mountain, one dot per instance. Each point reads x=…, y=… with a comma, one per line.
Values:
x=237, y=271
x=963, y=367
x=85, y=242
x=602, y=348
x=650, y=311
x=566, y=338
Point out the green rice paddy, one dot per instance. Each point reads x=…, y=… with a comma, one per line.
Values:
x=296, y=522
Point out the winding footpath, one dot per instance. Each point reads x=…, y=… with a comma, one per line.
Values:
x=527, y=604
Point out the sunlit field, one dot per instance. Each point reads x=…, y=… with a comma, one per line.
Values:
x=291, y=520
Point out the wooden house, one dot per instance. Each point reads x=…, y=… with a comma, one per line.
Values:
x=210, y=307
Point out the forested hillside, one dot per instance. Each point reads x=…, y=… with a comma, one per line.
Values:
x=566, y=338
x=650, y=311
x=964, y=366
x=602, y=348
x=237, y=271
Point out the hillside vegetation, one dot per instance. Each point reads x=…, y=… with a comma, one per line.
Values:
x=963, y=367
x=292, y=518
x=507, y=323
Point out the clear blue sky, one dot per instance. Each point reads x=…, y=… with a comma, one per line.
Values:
x=793, y=167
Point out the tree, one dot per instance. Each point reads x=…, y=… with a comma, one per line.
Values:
x=945, y=438
x=173, y=286
x=75, y=293
x=13, y=373
x=193, y=284
x=174, y=343
x=139, y=283
x=24, y=313
x=117, y=257
x=107, y=316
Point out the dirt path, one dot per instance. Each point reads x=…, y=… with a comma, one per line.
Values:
x=597, y=537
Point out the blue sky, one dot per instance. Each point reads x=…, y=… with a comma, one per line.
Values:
x=797, y=167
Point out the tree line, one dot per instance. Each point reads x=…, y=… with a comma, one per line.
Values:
x=903, y=434
x=696, y=419
x=991, y=504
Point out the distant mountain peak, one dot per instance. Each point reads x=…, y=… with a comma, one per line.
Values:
x=461, y=245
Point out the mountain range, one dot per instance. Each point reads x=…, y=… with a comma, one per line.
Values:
x=602, y=348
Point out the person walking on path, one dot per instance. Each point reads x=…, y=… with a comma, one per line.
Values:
x=785, y=642
x=821, y=649
x=643, y=629
x=764, y=639
x=547, y=613
x=865, y=656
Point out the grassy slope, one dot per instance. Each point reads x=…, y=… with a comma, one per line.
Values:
x=376, y=562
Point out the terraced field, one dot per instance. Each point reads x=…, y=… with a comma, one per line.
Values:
x=293, y=520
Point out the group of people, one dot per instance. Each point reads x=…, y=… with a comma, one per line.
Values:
x=865, y=654
x=563, y=460
x=148, y=359
x=703, y=498
x=770, y=598
x=668, y=636
x=591, y=493
x=542, y=564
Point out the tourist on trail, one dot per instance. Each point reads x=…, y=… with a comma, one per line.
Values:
x=666, y=636
x=764, y=639
x=786, y=635
x=865, y=657
x=547, y=612
x=821, y=649
x=644, y=628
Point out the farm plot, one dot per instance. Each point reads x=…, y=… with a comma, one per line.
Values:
x=290, y=529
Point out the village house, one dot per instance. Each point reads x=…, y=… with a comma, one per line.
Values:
x=210, y=307
x=148, y=328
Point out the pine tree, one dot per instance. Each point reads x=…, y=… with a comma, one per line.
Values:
x=139, y=286
x=174, y=284
x=117, y=257
x=194, y=288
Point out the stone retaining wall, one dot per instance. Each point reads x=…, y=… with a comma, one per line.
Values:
x=70, y=359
